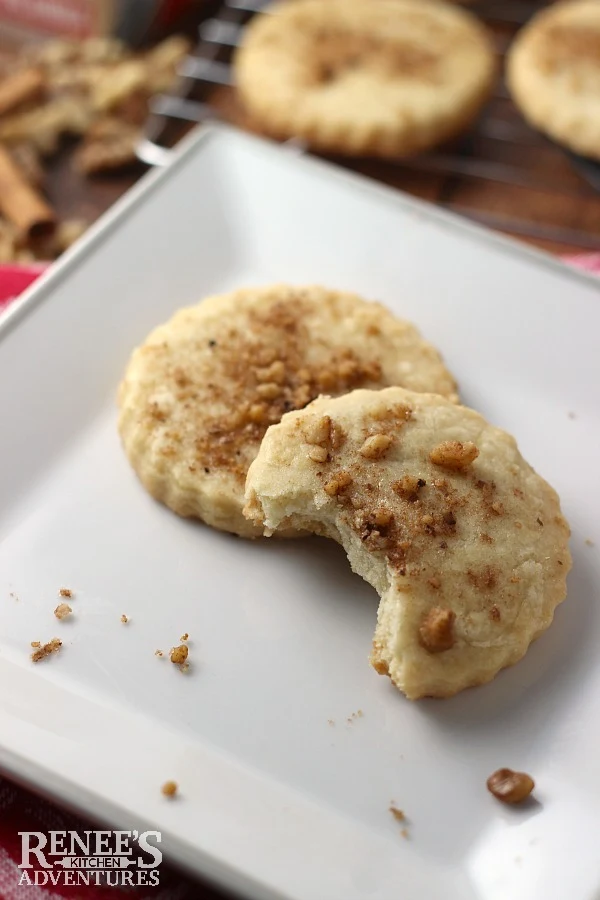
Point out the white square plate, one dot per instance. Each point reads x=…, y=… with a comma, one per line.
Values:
x=275, y=801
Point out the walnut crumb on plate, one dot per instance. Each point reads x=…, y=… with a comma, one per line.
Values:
x=169, y=788
x=179, y=655
x=62, y=611
x=510, y=787
x=52, y=646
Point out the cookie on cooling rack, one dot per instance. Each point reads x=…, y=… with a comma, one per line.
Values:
x=439, y=512
x=200, y=393
x=387, y=78
x=553, y=74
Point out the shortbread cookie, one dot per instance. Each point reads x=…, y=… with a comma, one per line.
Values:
x=436, y=509
x=386, y=78
x=200, y=393
x=553, y=74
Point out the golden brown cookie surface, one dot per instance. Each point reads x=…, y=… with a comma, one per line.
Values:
x=553, y=73
x=385, y=78
x=464, y=542
x=199, y=394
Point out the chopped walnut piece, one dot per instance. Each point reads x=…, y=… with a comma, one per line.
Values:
x=376, y=446
x=454, y=455
x=268, y=391
x=169, y=788
x=257, y=413
x=65, y=592
x=436, y=633
x=62, y=611
x=338, y=484
x=509, y=786
x=124, y=619
x=382, y=517
x=318, y=454
x=275, y=372
x=317, y=431
x=408, y=487
x=52, y=646
x=337, y=436
x=179, y=654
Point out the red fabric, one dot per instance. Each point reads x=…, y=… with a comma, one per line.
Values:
x=14, y=280
x=23, y=811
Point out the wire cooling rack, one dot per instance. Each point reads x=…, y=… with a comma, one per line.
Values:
x=501, y=173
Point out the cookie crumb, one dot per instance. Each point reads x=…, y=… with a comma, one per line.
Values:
x=169, y=788
x=404, y=833
x=36, y=643
x=52, y=646
x=158, y=653
x=179, y=655
x=398, y=814
x=355, y=715
x=184, y=637
x=65, y=592
x=589, y=543
x=62, y=611
x=124, y=619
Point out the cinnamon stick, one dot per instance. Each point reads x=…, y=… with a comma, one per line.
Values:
x=20, y=203
x=19, y=88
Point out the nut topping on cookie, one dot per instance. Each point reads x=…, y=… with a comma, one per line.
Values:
x=436, y=632
x=454, y=455
x=376, y=446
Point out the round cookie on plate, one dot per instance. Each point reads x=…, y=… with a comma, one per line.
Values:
x=553, y=74
x=439, y=512
x=387, y=78
x=201, y=391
